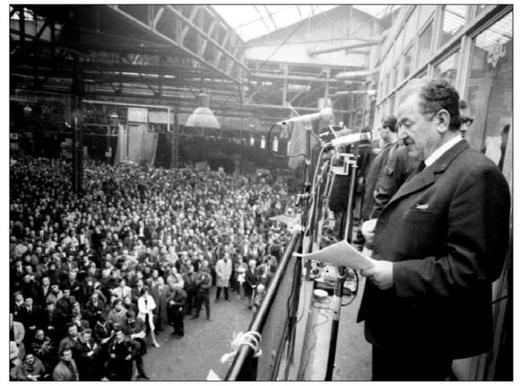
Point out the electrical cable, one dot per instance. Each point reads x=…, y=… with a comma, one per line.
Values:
x=354, y=292
x=313, y=331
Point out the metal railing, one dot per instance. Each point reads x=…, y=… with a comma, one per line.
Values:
x=275, y=321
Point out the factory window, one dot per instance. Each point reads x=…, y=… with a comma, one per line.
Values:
x=395, y=75
x=391, y=108
x=454, y=18
x=425, y=12
x=447, y=68
x=425, y=45
x=410, y=30
x=399, y=41
x=408, y=62
x=489, y=91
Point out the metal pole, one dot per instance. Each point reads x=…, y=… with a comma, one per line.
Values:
x=243, y=366
x=77, y=134
x=338, y=291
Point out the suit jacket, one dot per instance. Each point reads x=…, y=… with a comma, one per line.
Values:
x=31, y=318
x=398, y=167
x=374, y=171
x=63, y=373
x=446, y=230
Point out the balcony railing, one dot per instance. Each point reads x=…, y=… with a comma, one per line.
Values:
x=275, y=321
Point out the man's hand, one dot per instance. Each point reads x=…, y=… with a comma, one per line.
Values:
x=367, y=229
x=381, y=274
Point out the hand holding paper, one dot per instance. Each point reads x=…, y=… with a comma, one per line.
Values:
x=381, y=274
x=341, y=254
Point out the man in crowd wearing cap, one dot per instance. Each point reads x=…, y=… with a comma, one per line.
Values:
x=439, y=244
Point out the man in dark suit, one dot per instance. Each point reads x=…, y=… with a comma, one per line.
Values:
x=30, y=316
x=388, y=133
x=439, y=244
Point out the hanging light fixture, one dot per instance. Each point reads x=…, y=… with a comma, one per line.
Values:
x=202, y=116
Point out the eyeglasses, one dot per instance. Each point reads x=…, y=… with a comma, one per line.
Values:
x=466, y=121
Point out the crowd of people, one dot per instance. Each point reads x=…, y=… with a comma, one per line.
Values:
x=94, y=277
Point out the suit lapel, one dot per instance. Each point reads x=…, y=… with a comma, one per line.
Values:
x=429, y=175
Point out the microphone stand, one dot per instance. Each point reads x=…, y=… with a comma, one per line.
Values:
x=350, y=166
x=303, y=201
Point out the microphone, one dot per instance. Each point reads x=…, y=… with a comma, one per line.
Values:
x=351, y=138
x=325, y=114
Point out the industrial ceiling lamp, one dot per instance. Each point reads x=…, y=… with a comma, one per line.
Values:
x=203, y=116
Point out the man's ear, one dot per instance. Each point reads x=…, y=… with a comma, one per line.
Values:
x=442, y=120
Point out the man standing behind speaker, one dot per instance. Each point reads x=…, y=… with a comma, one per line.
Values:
x=439, y=244
x=388, y=136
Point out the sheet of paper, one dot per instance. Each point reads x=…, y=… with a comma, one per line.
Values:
x=341, y=254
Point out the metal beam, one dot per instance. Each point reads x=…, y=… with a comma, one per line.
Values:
x=219, y=53
x=171, y=41
x=206, y=36
x=157, y=17
x=40, y=32
x=262, y=18
x=359, y=44
x=270, y=17
x=189, y=21
x=284, y=89
x=352, y=92
x=290, y=108
x=292, y=77
x=300, y=94
x=205, y=41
